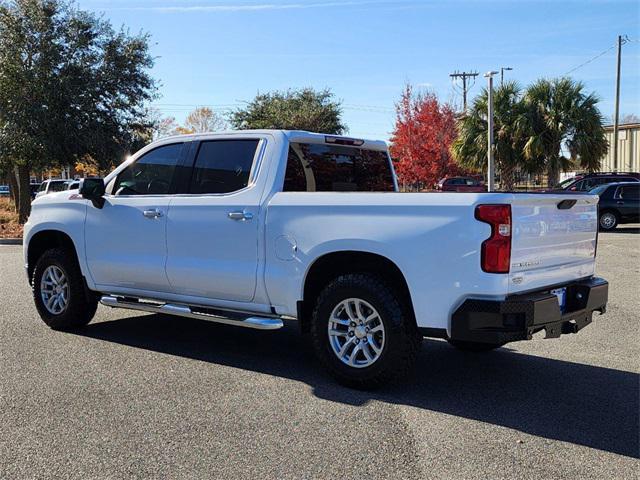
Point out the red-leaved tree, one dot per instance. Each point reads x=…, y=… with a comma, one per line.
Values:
x=421, y=140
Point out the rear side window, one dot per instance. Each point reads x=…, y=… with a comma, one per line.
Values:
x=336, y=168
x=628, y=192
x=151, y=174
x=223, y=166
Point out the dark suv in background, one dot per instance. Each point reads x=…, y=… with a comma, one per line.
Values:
x=461, y=184
x=588, y=181
x=619, y=203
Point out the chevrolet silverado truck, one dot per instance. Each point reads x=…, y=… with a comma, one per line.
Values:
x=254, y=228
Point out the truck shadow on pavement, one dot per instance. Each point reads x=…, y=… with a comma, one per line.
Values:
x=586, y=405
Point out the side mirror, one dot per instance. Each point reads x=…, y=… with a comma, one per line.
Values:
x=93, y=189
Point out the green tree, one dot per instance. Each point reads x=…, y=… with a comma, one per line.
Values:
x=70, y=87
x=563, y=127
x=470, y=148
x=305, y=109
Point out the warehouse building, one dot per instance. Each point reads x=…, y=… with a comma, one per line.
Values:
x=628, y=149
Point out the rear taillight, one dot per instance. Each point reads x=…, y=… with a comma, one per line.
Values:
x=496, y=250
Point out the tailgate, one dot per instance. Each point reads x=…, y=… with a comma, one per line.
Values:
x=554, y=239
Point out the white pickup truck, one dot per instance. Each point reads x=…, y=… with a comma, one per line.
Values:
x=255, y=227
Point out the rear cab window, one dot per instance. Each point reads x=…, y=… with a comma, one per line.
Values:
x=57, y=186
x=316, y=167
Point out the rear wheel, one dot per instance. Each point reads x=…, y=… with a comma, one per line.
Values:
x=608, y=221
x=59, y=291
x=361, y=333
x=474, y=346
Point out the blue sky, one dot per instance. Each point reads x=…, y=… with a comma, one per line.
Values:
x=221, y=53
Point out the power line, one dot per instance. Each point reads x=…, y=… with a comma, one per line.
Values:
x=592, y=59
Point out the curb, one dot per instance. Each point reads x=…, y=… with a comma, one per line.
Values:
x=10, y=241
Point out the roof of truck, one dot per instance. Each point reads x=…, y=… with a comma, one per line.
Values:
x=292, y=135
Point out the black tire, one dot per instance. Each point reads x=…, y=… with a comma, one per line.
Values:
x=608, y=220
x=474, y=346
x=81, y=305
x=402, y=341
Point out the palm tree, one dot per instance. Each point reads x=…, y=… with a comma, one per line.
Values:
x=470, y=148
x=561, y=119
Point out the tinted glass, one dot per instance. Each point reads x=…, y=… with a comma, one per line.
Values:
x=58, y=186
x=151, y=174
x=223, y=166
x=599, y=190
x=578, y=186
x=43, y=187
x=336, y=168
x=565, y=183
x=629, y=192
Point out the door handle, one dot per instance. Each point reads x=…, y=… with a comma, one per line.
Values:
x=240, y=215
x=619, y=202
x=153, y=213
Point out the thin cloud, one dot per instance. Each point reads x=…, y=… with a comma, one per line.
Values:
x=250, y=7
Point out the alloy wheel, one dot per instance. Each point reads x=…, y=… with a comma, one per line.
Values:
x=356, y=333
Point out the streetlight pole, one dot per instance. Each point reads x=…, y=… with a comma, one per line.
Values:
x=490, y=164
x=502, y=69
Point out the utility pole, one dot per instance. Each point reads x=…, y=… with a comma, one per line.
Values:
x=617, y=107
x=490, y=164
x=464, y=76
x=502, y=69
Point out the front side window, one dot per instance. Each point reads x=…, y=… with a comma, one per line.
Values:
x=223, y=166
x=151, y=174
x=335, y=168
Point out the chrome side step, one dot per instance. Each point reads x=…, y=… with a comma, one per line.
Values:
x=260, y=323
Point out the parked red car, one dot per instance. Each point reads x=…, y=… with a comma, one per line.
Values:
x=461, y=184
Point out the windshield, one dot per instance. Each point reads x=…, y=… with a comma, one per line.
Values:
x=565, y=183
x=598, y=190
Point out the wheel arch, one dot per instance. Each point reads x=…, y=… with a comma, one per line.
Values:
x=44, y=240
x=331, y=265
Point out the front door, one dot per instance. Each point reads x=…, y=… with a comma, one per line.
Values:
x=126, y=239
x=212, y=229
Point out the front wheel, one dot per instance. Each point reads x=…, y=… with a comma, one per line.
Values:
x=608, y=221
x=362, y=333
x=59, y=291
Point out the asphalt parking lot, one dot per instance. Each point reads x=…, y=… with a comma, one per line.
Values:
x=145, y=396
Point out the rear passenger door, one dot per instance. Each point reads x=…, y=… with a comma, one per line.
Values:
x=628, y=202
x=213, y=224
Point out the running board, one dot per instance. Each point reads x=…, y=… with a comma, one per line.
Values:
x=260, y=323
